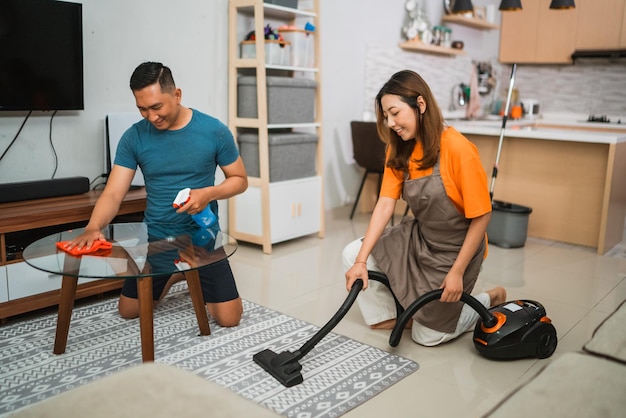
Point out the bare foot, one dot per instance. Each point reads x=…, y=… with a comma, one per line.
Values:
x=497, y=295
x=390, y=324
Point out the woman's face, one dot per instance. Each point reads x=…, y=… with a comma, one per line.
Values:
x=399, y=116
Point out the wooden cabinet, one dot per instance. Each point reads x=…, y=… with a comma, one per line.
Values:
x=4, y=285
x=538, y=34
x=294, y=209
x=25, y=289
x=271, y=212
x=600, y=24
x=622, y=39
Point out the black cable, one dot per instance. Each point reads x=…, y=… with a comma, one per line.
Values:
x=56, y=158
x=16, y=135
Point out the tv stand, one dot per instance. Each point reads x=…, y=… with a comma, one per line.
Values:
x=24, y=289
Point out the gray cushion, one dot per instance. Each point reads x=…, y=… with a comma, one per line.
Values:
x=609, y=339
x=148, y=390
x=574, y=385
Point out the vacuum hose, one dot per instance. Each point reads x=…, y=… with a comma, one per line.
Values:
x=489, y=320
x=343, y=310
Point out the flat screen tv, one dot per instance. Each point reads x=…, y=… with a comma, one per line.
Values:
x=41, y=55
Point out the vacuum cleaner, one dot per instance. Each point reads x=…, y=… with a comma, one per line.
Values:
x=511, y=330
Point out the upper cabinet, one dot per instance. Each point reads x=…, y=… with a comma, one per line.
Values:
x=600, y=24
x=622, y=39
x=540, y=35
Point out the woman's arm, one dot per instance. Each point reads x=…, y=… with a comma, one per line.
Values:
x=380, y=217
x=453, y=283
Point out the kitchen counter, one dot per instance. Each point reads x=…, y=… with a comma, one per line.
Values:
x=571, y=173
x=557, y=128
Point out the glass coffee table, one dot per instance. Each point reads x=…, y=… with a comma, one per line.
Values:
x=139, y=251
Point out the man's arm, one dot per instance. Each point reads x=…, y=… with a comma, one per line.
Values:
x=106, y=207
x=236, y=182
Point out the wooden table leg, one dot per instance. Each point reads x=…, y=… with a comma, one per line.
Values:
x=146, y=318
x=195, y=291
x=66, y=305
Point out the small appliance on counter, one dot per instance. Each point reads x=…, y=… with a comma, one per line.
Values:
x=531, y=108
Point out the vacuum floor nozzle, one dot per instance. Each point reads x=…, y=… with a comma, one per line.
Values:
x=285, y=366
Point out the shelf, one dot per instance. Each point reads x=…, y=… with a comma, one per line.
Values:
x=252, y=63
x=418, y=46
x=275, y=11
x=470, y=21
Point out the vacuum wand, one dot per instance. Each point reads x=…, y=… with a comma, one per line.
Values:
x=489, y=320
x=285, y=366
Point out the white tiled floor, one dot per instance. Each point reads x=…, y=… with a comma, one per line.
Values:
x=304, y=278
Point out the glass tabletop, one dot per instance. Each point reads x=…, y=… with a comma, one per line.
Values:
x=137, y=250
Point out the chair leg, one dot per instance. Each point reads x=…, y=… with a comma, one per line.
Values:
x=358, y=195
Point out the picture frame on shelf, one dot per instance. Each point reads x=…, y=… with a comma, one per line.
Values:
x=480, y=12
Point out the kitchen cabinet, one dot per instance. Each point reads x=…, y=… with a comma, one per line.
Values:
x=538, y=34
x=539, y=167
x=622, y=39
x=600, y=24
x=270, y=212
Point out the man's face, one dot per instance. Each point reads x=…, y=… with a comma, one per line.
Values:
x=160, y=109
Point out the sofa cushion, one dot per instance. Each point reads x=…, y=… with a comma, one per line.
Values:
x=148, y=390
x=609, y=339
x=574, y=385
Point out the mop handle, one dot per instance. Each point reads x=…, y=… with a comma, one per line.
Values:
x=494, y=174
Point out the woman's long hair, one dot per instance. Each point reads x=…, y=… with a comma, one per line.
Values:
x=408, y=85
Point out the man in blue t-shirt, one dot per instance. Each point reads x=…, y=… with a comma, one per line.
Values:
x=176, y=147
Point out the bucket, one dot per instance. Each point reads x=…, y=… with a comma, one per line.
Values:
x=508, y=226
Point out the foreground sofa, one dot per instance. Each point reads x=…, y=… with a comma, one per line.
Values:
x=149, y=390
x=590, y=383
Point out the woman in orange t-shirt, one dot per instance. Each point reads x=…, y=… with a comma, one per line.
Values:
x=439, y=174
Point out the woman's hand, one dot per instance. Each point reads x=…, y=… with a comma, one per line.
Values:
x=357, y=271
x=452, y=287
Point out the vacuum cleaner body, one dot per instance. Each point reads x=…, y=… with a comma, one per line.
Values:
x=522, y=330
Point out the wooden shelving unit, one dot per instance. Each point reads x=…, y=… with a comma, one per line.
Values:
x=271, y=212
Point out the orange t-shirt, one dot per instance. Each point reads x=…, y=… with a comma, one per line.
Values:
x=462, y=173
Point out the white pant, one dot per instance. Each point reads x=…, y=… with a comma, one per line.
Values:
x=377, y=305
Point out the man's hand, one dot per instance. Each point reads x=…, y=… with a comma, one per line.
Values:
x=86, y=239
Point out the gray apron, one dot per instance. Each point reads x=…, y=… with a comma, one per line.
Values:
x=417, y=254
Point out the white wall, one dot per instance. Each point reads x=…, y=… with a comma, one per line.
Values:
x=348, y=28
x=187, y=35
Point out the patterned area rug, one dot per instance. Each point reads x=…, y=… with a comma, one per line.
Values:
x=339, y=373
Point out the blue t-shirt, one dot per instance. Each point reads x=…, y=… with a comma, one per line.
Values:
x=173, y=160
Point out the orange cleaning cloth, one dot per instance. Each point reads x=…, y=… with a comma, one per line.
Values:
x=98, y=245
